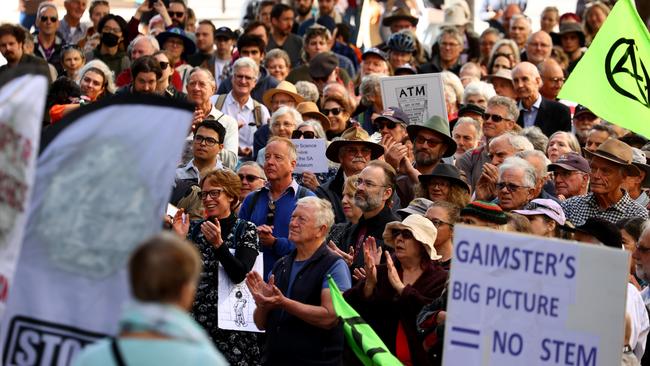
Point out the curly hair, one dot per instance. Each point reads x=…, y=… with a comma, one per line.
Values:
x=458, y=196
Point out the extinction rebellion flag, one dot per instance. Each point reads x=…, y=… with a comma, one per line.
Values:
x=612, y=78
x=103, y=178
x=22, y=100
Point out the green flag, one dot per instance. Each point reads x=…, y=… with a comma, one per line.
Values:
x=365, y=343
x=612, y=79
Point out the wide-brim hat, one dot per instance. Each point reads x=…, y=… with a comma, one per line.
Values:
x=446, y=171
x=617, y=152
x=418, y=206
x=309, y=110
x=455, y=15
x=422, y=229
x=353, y=135
x=397, y=14
x=570, y=27
x=189, y=47
x=440, y=126
x=502, y=74
x=639, y=161
x=284, y=87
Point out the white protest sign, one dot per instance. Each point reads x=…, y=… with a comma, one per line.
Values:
x=311, y=156
x=419, y=96
x=516, y=299
x=236, y=303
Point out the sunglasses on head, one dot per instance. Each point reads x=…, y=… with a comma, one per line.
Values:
x=163, y=64
x=406, y=234
x=175, y=14
x=51, y=19
x=307, y=134
x=334, y=111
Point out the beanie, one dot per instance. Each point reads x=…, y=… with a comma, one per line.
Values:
x=485, y=211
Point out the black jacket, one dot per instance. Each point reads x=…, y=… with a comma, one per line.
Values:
x=551, y=117
x=332, y=190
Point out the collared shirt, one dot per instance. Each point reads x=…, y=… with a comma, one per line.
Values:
x=643, y=199
x=245, y=117
x=294, y=186
x=189, y=171
x=530, y=114
x=72, y=35
x=231, y=140
x=579, y=208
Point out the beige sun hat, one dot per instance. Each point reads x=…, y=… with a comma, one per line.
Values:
x=283, y=87
x=422, y=229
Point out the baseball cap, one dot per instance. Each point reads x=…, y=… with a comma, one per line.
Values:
x=571, y=161
x=322, y=65
x=393, y=114
x=375, y=51
x=580, y=109
x=542, y=206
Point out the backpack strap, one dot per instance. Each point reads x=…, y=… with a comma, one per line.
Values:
x=119, y=359
x=221, y=100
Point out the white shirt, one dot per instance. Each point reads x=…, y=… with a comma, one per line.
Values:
x=635, y=308
x=231, y=140
x=245, y=118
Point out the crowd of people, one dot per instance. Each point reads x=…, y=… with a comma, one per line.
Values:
x=507, y=155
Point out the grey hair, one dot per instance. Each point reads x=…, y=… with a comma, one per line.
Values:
x=479, y=88
x=210, y=77
x=471, y=121
x=491, y=30
x=515, y=162
x=246, y=62
x=518, y=142
x=322, y=210
x=47, y=4
x=573, y=140
x=452, y=32
x=521, y=16
x=307, y=90
x=370, y=85
x=508, y=103
x=536, y=154
x=449, y=79
x=536, y=137
x=513, y=47
x=277, y=53
x=255, y=165
x=152, y=41
x=297, y=117
x=108, y=74
x=318, y=128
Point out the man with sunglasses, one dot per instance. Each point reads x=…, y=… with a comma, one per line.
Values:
x=177, y=11
x=516, y=184
x=48, y=43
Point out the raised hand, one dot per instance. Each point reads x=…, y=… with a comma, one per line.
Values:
x=212, y=232
x=393, y=276
x=181, y=223
x=347, y=257
x=266, y=295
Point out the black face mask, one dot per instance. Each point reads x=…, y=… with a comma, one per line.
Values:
x=109, y=39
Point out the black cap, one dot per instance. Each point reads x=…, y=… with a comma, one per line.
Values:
x=470, y=108
x=225, y=32
x=322, y=65
x=603, y=230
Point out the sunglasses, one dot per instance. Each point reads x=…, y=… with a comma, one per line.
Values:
x=176, y=14
x=388, y=124
x=298, y=134
x=163, y=64
x=248, y=177
x=406, y=234
x=510, y=187
x=493, y=117
x=51, y=19
x=437, y=223
x=334, y=111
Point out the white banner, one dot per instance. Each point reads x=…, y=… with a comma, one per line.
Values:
x=419, y=96
x=236, y=304
x=516, y=299
x=311, y=156
x=22, y=100
x=102, y=183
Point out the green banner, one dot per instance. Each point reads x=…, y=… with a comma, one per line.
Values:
x=612, y=79
x=365, y=343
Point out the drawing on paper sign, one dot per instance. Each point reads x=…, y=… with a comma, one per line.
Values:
x=236, y=303
x=413, y=101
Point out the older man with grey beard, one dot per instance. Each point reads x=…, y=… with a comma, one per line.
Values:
x=375, y=187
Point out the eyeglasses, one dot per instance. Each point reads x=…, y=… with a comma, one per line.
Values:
x=438, y=184
x=307, y=134
x=423, y=140
x=406, y=234
x=494, y=117
x=176, y=14
x=641, y=249
x=270, y=216
x=244, y=77
x=438, y=222
x=248, y=177
x=333, y=111
x=214, y=194
x=366, y=183
x=209, y=141
x=357, y=150
x=510, y=187
x=388, y=124
x=163, y=65
x=45, y=18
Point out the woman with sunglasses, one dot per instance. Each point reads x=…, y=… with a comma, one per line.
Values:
x=222, y=239
x=164, y=86
x=111, y=48
x=392, y=294
x=444, y=215
x=339, y=111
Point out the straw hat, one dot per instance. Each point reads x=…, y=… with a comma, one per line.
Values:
x=309, y=110
x=283, y=87
x=422, y=229
x=353, y=135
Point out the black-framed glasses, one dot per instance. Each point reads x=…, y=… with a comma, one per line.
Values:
x=306, y=134
x=209, y=141
x=214, y=194
x=270, y=215
x=494, y=117
x=163, y=65
x=248, y=177
x=438, y=222
x=176, y=14
x=388, y=124
x=334, y=111
x=45, y=18
x=406, y=234
x=510, y=187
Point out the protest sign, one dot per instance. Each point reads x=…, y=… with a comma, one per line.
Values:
x=419, y=96
x=236, y=303
x=311, y=156
x=22, y=92
x=516, y=299
x=103, y=180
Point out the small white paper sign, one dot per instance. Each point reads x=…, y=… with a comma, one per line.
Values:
x=311, y=156
x=419, y=96
x=171, y=210
x=236, y=303
x=517, y=299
